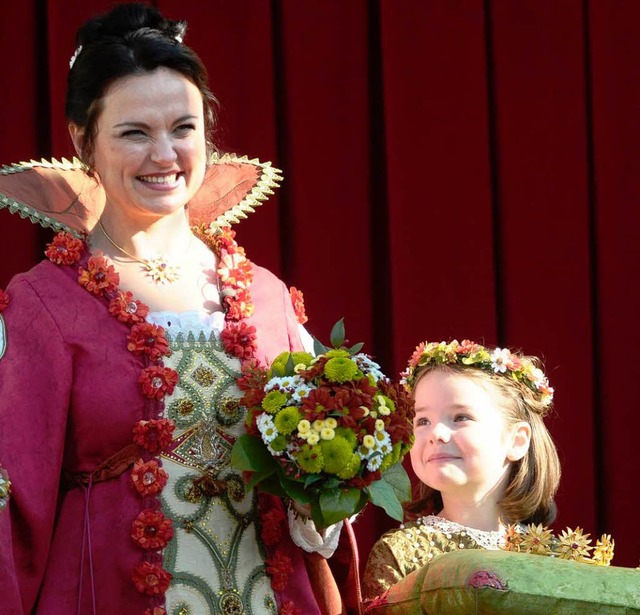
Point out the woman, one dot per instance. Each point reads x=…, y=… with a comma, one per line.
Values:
x=119, y=396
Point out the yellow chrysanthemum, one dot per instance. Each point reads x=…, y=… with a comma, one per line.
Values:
x=379, y=424
x=273, y=401
x=318, y=425
x=340, y=369
x=573, y=544
x=309, y=458
x=603, y=552
x=351, y=469
x=304, y=426
x=385, y=406
x=336, y=454
x=368, y=441
x=313, y=438
x=537, y=539
x=331, y=423
x=287, y=420
x=327, y=434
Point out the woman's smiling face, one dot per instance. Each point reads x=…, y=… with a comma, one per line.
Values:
x=149, y=149
x=463, y=443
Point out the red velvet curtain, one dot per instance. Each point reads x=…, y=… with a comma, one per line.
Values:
x=453, y=168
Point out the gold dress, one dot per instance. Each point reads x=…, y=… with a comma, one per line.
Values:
x=408, y=548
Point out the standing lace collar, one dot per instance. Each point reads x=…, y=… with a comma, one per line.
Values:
x=486, y=539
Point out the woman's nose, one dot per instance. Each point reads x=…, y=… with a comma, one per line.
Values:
x=163, y=151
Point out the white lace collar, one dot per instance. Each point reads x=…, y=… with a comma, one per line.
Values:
x=486, y=539
x=194, y=321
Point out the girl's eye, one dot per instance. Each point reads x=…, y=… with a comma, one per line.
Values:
x=421, y=421
x=462, y=417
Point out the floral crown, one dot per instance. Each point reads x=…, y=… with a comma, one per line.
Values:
x=499, y=361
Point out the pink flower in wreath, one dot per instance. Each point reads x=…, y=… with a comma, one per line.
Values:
x=99, y=277
x=148, y=477
x=158, y=381
x=239, y=340
x=152, y=530
x=151, y=579
x=154, y=435
x=65, y=249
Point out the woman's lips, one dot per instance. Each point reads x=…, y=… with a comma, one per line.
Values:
x=441, y=457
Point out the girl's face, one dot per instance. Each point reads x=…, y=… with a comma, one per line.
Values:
x=149, y=149
x=463, y=444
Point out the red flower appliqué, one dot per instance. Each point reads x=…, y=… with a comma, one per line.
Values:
x=289, y=608
x=154, y=435
x=152, y=530
x=149, y=339
x=151, y=579
x=238, y=305
x=100, y=277
x=148, y=478
x=239, y=340
x=279, y=568
x=158, y=381
x=65, y=249
x=158, y=610
x=271, y=526
x=297, y=299
x=4, y=300
x=127, y=309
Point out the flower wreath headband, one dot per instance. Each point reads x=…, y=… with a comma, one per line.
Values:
x=500, y=361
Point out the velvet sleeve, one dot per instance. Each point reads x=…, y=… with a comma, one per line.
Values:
x=35, y=384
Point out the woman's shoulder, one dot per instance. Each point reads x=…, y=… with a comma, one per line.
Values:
x=43, y=279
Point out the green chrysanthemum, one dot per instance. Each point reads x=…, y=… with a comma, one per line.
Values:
x=278, y=444
x=279, y=365
x=336, y=454
x=336, y=352
x=351, y=469
x=340, y=369
x=310, y=459
x=348, y=435
x=273, y=401
x=287, y=420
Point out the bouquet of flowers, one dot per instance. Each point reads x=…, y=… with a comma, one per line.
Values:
x=328, y=431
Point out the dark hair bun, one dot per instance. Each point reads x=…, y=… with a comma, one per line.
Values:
x=129, y=19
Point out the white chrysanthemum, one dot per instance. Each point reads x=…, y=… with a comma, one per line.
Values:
x=366, y=410
x=368, y=441
x=368, y=366
x=379, y=424
x=383, y=442
x=327, y=433
x=331, y=423
x=538, y=377
x=313, y=438
x=274, y=453
x=300, y=392
x=500, y=357
x=267, y=427
x=318, y=425
x=374, y=463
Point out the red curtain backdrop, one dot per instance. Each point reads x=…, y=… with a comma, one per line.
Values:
x=453, y=168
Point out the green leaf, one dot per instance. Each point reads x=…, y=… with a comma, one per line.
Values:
x=383, y=495
x=309, y=479
x=289, y=367
x=336, y=505
x=250, y=453
x=258, y=477
x=338, y=334
x=356, y=348
x=318, y=347
x=272, y=485
x=296, y=491
x=397, y=477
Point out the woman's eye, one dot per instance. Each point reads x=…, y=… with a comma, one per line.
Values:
x=184, y=128
x=134, y=132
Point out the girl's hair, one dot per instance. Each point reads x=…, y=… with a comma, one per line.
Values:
x=129, y=40
x=533, y=480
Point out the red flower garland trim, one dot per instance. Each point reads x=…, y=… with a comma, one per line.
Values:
x=4, y=300
x=151, y=579
x=100, y=277
x=65, y=249
x=297, y=299
x=239, y=340
x=128, y=310
x=148, y=339
x=158, y=381
x=152, y=530
x=148, y=477
x=154, y=435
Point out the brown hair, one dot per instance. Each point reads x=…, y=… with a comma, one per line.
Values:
x=533, y=480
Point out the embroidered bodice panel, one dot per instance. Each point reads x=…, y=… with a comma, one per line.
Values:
x=215, y=557
x=410, y=547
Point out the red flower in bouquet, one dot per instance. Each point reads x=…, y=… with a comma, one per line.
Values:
x=65, y=249
x=154, y=435
x=158, y=381
x=148, y=478
x=152, y=530
x=239, y=340
x=149, y=339
x=151, y=579
x=127, y=309
x=318, y=403
x=99, y=277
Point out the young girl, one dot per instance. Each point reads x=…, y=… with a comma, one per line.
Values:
x=482, y=453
